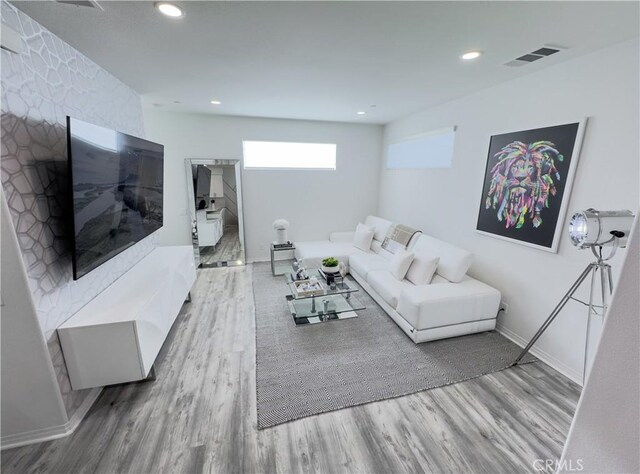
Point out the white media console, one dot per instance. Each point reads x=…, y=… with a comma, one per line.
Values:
x=117, y=336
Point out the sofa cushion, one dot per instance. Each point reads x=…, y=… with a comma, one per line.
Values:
x=387, y=286
x=362, y=263
x=454, y=262
x=400, y=263
x=312, y=253
x=438, y=279
x=381, y=225
x=430, y=306
x=363, y=237
x=422, y=268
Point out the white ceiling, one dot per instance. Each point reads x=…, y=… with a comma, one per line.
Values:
x=327, y=60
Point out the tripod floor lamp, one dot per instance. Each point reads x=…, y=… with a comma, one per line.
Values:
x=595, y=230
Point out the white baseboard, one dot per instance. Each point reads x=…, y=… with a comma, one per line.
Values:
x=52, y=432
x=542, y=355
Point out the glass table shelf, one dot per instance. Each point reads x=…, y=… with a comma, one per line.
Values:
x=323, y=308
x=340, y=288
x=281, y=267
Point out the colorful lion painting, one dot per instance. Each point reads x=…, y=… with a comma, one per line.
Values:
x=522, y=181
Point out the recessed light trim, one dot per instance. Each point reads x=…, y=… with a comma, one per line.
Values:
x=216, y=102
x=361, y=112
x=471, y=55
x=169, y=9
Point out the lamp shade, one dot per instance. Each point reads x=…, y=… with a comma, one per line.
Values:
x=590, y=228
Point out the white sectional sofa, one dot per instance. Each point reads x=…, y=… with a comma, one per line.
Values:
x=453, y=304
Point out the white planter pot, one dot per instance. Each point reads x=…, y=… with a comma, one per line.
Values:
x=335, y=269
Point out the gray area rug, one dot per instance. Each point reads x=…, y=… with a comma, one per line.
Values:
x=311, y=369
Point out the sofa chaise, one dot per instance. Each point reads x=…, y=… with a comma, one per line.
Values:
x=451, y=304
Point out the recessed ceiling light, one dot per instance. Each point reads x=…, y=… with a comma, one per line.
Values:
x=361, y=112
x=471, y=55
x=216, y=102
x=169, y=9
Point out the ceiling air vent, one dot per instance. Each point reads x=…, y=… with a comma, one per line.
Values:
x=82, y=3
x=546, y=50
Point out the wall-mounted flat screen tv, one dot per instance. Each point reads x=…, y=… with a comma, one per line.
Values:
x=116, y=185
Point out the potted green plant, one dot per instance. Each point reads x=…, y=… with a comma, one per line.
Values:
x=330, y=265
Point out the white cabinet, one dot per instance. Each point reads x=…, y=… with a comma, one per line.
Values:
x=116, y=337
x=210, y=227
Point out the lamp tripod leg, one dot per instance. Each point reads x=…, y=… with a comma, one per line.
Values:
x=565, y=299
x=606, y=289
x=596, y=270
x=603, y=288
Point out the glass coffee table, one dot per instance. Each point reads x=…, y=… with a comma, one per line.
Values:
x=329, y=302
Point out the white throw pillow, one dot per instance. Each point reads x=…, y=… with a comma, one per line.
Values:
x=422, y=268
x=400, y=263
x=363, y=237
x=454, y=262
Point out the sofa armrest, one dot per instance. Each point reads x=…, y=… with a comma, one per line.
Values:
x=342, y=236
x=446, y=303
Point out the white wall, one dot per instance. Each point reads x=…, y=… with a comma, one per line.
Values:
x=605, y=433
x=445, y=202
x=216, y=189
x=230, y=199
x=41, y=85
x=31, y=399
x=314, y=202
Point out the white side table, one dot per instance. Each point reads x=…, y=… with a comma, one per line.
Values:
x=280, y=266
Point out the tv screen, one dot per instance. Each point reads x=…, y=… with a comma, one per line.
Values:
x=116, y=186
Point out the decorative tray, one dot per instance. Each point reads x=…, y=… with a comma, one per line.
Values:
x=304, y=288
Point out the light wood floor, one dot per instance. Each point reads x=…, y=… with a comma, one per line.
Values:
x=200, y=413
x=228, y=249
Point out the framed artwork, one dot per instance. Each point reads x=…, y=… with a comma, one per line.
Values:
x=527, y=184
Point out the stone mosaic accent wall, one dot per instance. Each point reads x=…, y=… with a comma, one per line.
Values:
x=40, y=87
